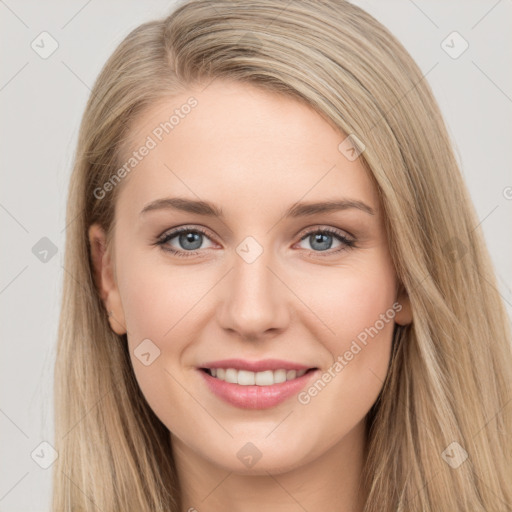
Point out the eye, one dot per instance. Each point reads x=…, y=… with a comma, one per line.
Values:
x=321, y=240
x=189, y=241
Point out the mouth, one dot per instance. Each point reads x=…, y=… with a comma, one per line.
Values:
x=255, y=385
x=250, y=378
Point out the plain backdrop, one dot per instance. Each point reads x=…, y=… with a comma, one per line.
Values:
x=42, y=101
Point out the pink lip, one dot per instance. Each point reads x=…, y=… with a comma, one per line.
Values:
x=256, y=366
x=255, y=397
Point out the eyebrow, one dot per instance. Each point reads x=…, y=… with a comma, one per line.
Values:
x=296, y=210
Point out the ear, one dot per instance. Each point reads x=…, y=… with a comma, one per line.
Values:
x=103, y=272
x=404, y=316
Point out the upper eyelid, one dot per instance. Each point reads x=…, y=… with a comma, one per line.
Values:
x=322, y=227
x=173, y=232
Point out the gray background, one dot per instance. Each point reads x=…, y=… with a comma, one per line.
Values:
x=42, y=101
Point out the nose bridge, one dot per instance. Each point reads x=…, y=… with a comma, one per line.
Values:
x=254, y=302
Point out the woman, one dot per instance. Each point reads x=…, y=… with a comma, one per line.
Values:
x=333, y=338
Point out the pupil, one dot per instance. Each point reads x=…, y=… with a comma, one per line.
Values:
x=325, y=245
x=191, y=238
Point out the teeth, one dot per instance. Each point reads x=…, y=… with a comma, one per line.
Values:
x=247, y=378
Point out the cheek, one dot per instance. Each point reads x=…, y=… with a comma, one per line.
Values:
x=157, y=300
x=362, y=319
x=346, y=301
x=160, y=308
x=354, y=319
x=362, y=302
x=163, y=305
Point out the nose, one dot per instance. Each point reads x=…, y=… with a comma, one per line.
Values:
x=255, y=299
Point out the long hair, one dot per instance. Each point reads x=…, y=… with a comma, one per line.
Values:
x=447, y=392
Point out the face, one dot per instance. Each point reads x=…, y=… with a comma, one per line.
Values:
x=266, y=289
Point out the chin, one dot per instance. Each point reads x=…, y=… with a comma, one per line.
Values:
x=260, y=457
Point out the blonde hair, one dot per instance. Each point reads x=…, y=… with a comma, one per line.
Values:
x=450, y=375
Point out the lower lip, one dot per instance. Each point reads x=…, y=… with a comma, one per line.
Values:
x=256, y=397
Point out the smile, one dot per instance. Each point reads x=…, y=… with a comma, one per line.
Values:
x=248, y=378
x=255, y=385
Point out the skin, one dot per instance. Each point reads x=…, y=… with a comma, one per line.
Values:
x=253, y=153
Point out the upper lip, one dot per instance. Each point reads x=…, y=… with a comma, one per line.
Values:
x=256, y=366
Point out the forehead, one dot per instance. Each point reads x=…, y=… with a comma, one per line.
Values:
x=239, y=145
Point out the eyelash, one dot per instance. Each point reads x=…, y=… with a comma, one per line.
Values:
x=163, y=239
